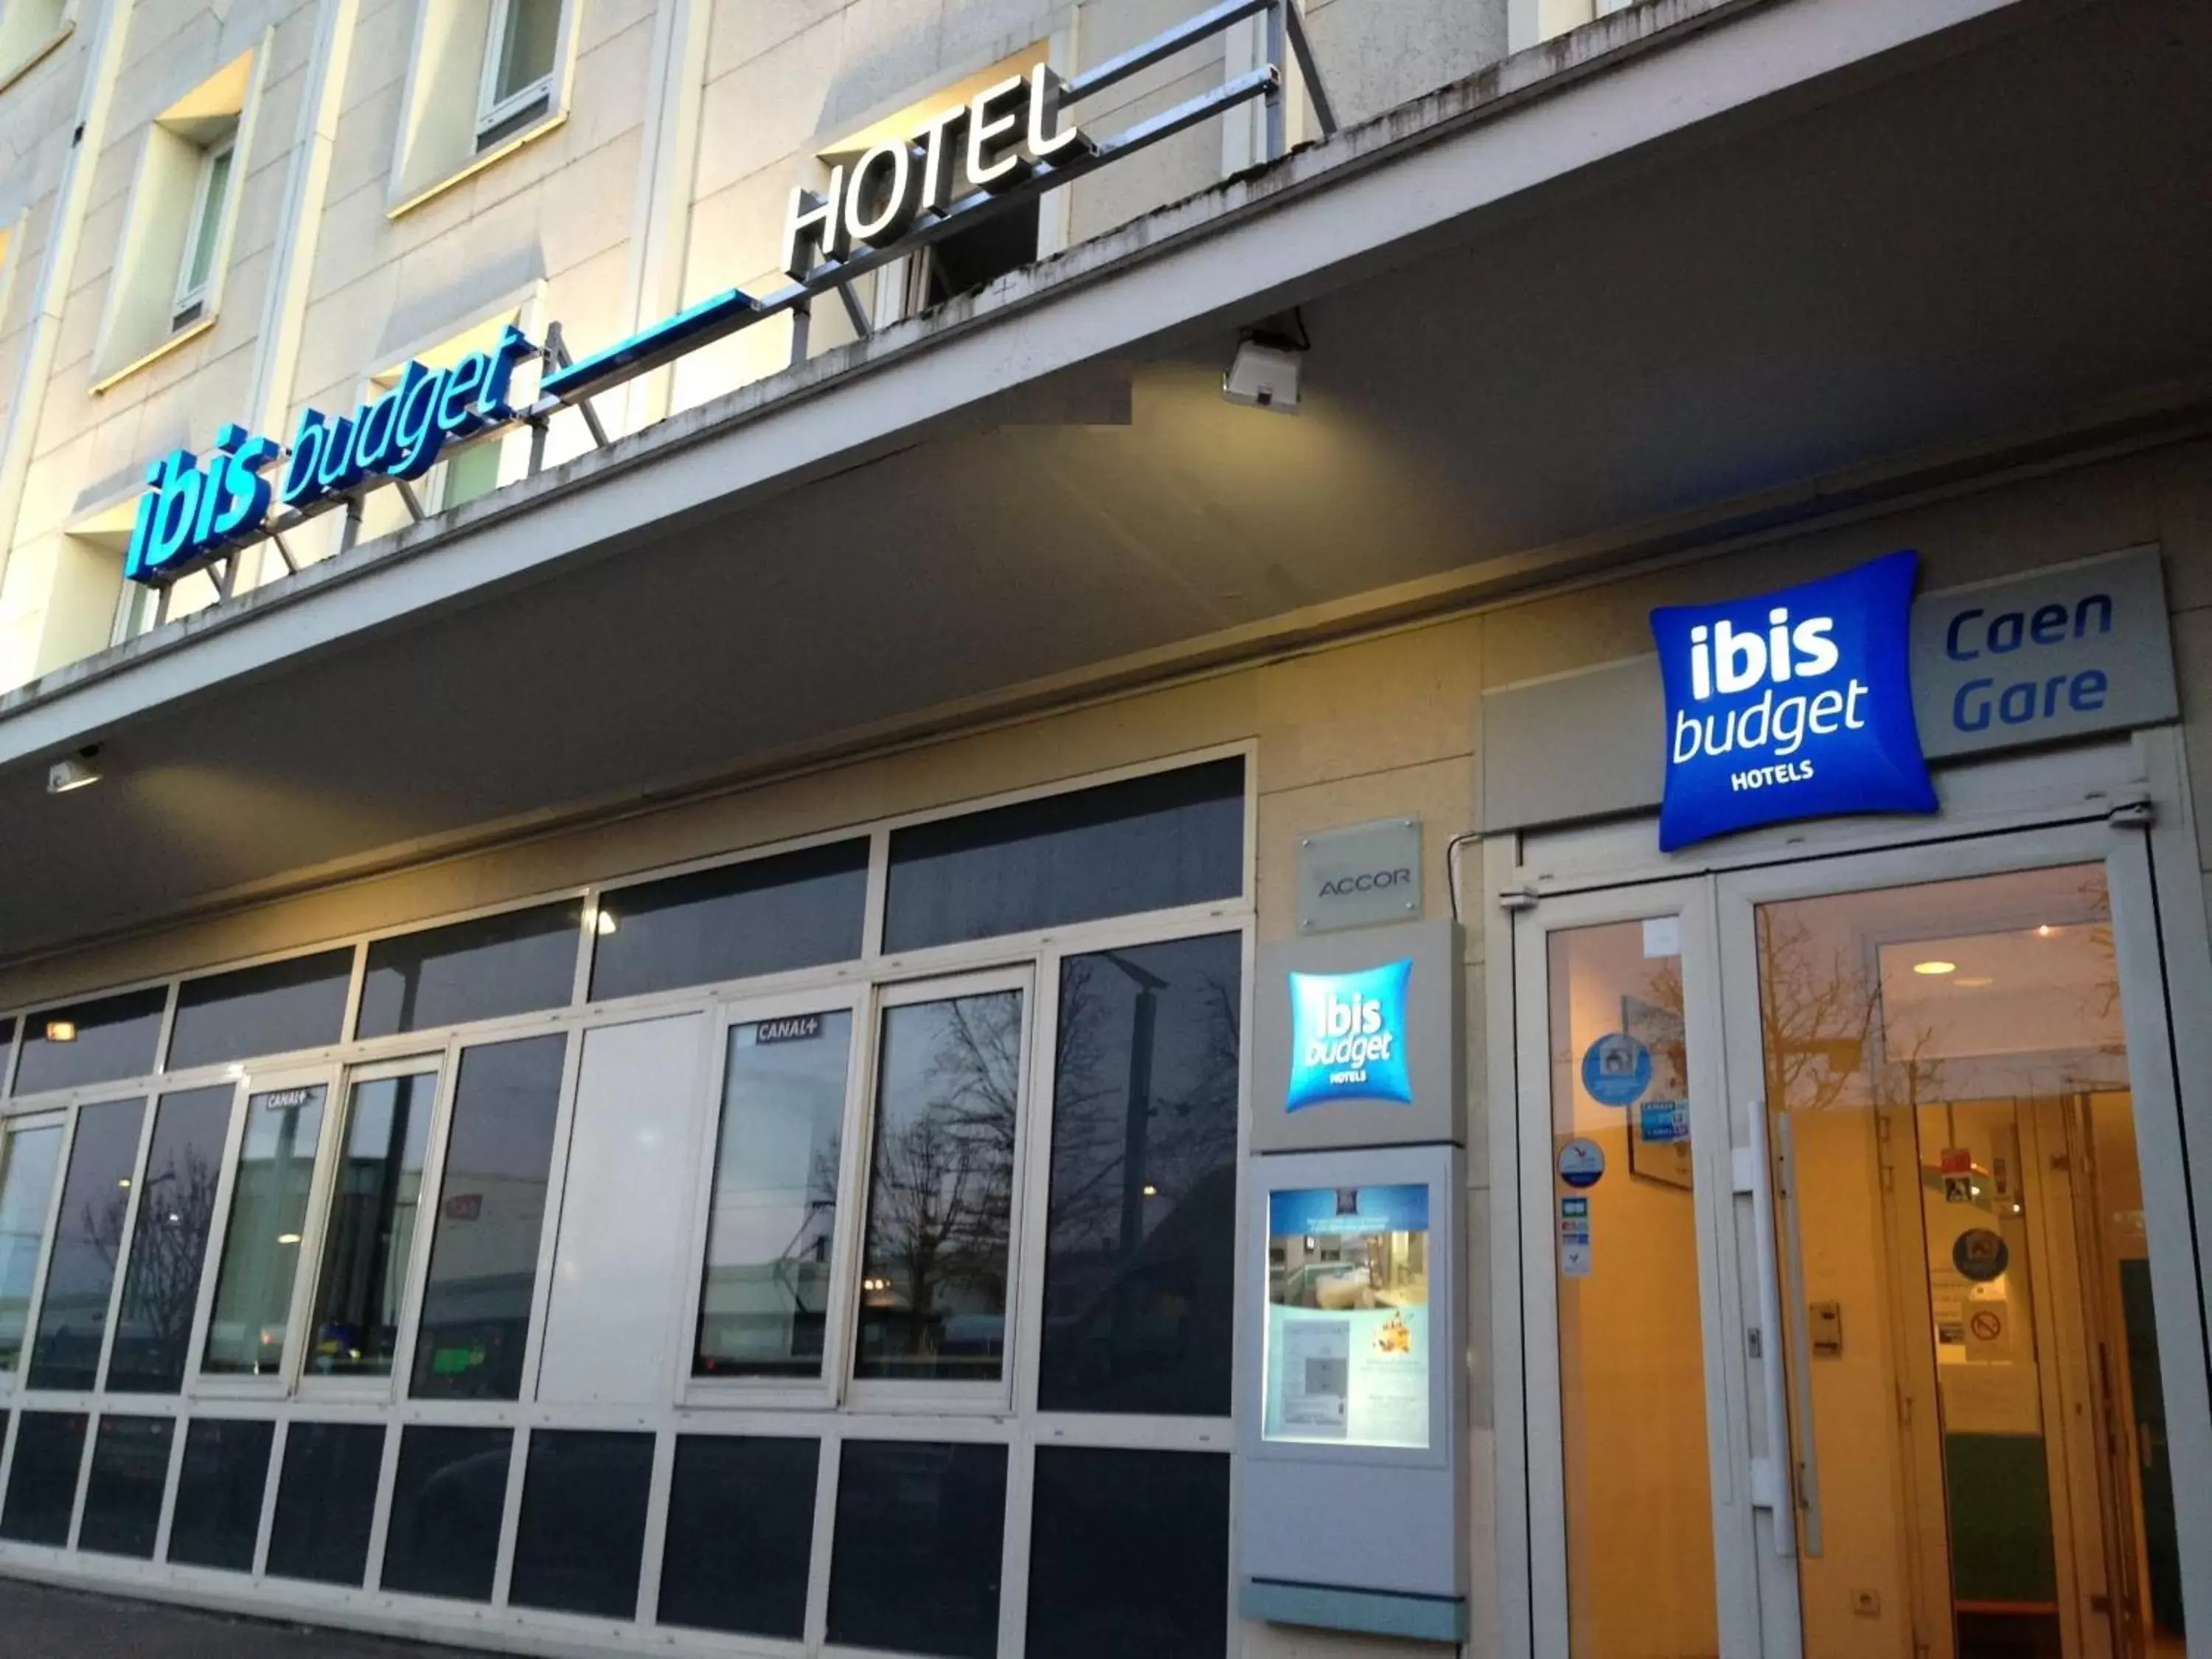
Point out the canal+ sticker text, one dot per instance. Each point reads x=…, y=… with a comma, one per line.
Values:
x=1348, y=1036
x=1793, y=704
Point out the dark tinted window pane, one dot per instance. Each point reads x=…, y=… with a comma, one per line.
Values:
x=915, y=1566
x=740, y=1535
x=1106, y=1523
x=491, y=1212
x=447, y=1500
x=123, y=1499
x=1171, y=838
x=763, y=916
x=325, y=1500
x=28, y=1163
x=504, y=965
x=261, y=1243
x=169, y=1244
x=579, y=1543
x=91, y=1041
x=270, y=1009
x=941, y=1189
x=762, y=1310
x=1141, y=1239
x=371, y=1230
x=42, y=1481
x=81, y=1272
x=218, y=1492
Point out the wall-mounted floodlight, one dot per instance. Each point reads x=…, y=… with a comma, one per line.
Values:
x=1264, y=374
x=74, y=772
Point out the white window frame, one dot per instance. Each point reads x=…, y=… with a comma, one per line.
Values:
x=995, y=1395
x=189, y=293
x=492, y=110
x=821, y=1390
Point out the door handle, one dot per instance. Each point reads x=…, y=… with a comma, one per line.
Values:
x=1801, y=1352
x=1770, y=1483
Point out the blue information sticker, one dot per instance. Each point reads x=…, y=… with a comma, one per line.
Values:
x=1663, y=1120
x=1616, y=1069
x=1582, y=1162
x=1793, y=704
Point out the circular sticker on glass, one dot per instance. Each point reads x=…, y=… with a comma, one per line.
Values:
x=1581, y=1163
x=1980, y=1254
x=1616, y=1069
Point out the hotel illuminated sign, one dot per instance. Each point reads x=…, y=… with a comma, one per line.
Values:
x=1009, y=144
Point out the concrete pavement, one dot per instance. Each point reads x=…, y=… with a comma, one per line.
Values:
x=37, y=1622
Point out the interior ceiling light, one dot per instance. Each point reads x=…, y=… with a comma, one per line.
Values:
x=2045, y=930
x=61, y=1031
x=606, y=923
x=74, y=772
x=1972, y=981
x=1934, y=965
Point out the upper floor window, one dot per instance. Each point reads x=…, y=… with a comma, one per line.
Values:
x=27, y=29
x=518, y=72
x=167, y=281
x=204, y=229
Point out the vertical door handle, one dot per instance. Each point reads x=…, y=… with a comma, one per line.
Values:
x=1770, y=1479
x=1800, y=1350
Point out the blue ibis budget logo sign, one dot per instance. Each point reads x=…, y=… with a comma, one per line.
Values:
x=1796, y=704
x=193, y=514
x=1348, y=1036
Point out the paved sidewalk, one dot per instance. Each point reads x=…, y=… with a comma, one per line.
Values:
x=40, y=1623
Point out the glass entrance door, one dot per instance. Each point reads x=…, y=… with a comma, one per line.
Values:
x=1951, y=1147
x=1840, y=1185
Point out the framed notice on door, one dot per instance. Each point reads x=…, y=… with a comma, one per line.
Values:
x=1348, y=1337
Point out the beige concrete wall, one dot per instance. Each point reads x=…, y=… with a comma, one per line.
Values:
x=661, y=178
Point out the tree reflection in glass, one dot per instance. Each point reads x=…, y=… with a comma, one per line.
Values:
x=940, y=1190
x=1140, y=1250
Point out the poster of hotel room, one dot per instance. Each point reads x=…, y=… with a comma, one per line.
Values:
x=1347, y=1357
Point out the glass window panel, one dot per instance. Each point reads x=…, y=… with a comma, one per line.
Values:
x=1638, y=1493
x=204, y=234
x=1167, y=839
x=512, y=964
x=580, y=1542
x=325, y=1501
x=741, y=1539
x=371, y=1230
x=920, y=1525
x=42, y=1480
x=168, y=1244
x=88, y=1043
x=767, y=1290
x=274, y=1009
x=447, y=1499
x=763, y=916
x=7, y=1048
x=491, y=1213
x=217, y=1514
x=87, y=1236
x=122, y=1497
x=528, y=38
x=28, y=1160
x=471, y=472
x=1104, y=1522
x=261, y=1240
x=1142, y=1228
x=940, y=1190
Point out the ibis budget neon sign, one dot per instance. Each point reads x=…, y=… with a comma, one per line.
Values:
x=1794, y=704
x=196, y=512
